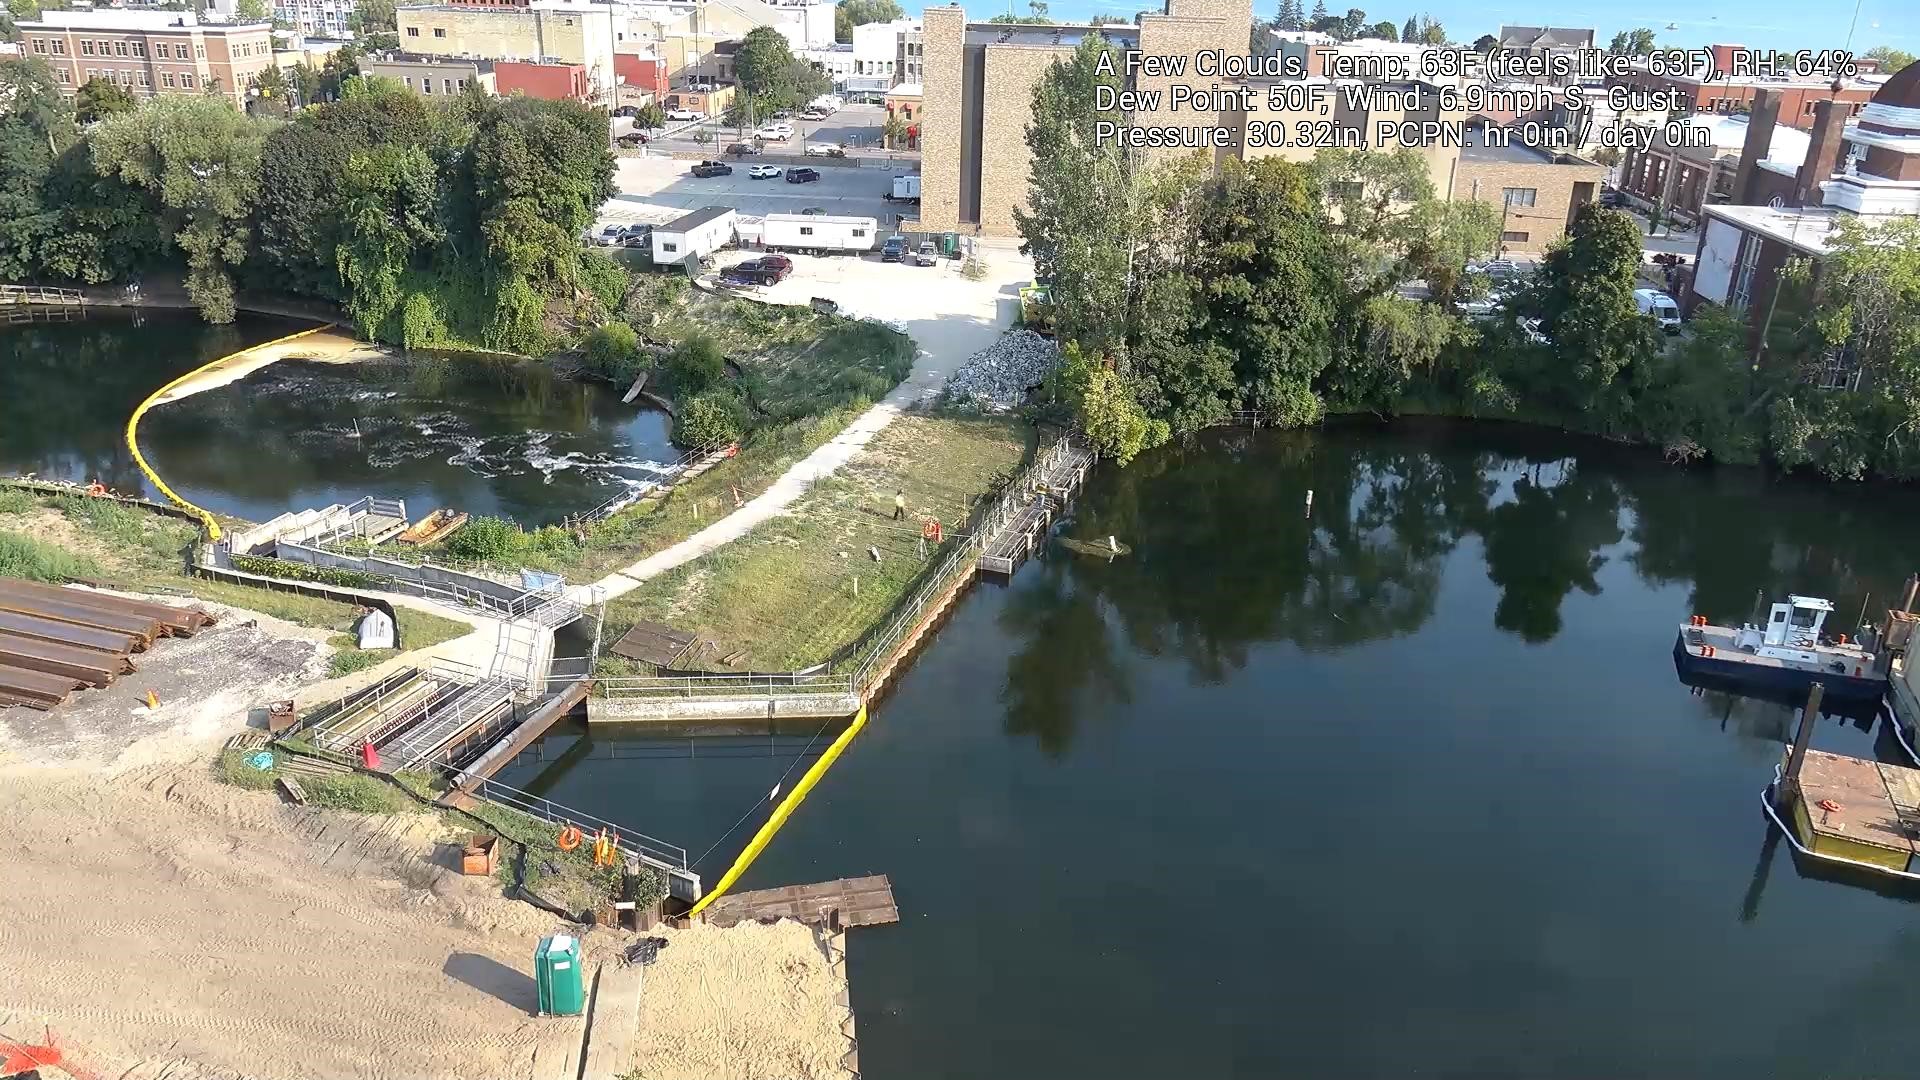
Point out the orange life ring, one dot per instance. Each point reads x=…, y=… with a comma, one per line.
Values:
x=1829, y=806
x=568, y=839
x=96, y=488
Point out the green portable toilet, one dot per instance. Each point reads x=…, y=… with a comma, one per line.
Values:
x=556, y=968
x=950, y=245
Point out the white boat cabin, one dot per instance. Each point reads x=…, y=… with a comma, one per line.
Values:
x=1792, y=632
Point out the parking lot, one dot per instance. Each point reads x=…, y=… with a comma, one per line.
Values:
x=655, y=190
x=855, y=127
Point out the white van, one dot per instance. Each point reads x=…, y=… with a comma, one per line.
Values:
x=1660, y=306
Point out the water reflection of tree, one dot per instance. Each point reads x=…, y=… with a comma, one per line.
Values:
x=1067, y=662
x=1546, y=542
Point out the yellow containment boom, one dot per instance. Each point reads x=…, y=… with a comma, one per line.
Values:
x=782, y=812
x=133, y=428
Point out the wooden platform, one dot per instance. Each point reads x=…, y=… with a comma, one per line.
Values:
x=1879, y=809
x=864, y=901
x=652, y=643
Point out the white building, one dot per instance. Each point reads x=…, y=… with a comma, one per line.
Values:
x=876, y=53
x=836, y=61
x=693, y=236
x=321, y=18
x=807, y=24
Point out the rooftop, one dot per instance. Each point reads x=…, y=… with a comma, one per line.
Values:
x=138, y=20
x=696, y=219
x=907, y=89
x=1805, y=229
x=1475, y=147
x=1057, y=35
x=430, y=60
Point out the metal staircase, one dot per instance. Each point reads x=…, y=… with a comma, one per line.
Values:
x=419, y=742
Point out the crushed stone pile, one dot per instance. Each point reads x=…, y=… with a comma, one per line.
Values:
x=998, y=377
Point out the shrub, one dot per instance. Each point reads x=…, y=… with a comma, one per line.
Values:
x=716, y=417
x=293, y=571
x=695, y=367
x=486, y=539
x=15, y=501
x=232, y=767
x=613, y=350
x=604, y=279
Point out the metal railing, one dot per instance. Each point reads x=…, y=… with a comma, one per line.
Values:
x=720, y=685
x=670, y=478
x=635, y=844
x=37, y=294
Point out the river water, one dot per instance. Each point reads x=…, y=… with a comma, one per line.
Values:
x=1407, y=786
x=487, y=436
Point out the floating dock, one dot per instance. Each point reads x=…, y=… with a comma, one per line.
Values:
x=862, y=901
x=1861, y=813
x=1051, y=484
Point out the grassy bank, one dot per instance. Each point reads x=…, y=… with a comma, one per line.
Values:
x=785, y=595
x=57, y=538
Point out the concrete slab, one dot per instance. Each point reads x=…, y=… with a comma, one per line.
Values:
x=615, y=1029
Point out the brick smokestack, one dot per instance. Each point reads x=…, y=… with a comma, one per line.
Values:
x=1823, y=152
x=1766, y=113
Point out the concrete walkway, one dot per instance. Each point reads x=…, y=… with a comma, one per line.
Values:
x=948, y=317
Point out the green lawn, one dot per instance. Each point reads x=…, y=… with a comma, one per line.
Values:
x=785, y=594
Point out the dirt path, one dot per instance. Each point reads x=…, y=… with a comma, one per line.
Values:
x=949, y=319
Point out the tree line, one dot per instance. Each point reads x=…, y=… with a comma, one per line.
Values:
x=1418, y=28
x=452, y=222
x=1188, y=293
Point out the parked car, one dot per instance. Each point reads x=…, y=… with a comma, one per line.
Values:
x=713, y=168
x=630, y=140
x=765, y=172
x=814, y=210
x=627, y=110
x=928, y=255
x=741, y=149
x=1533, y=328
x=611, y=235
x=766, y=270
x=1614, y=200
x=1485, y=305
x=776, y=131
x=1497, y=269
x=802, y=176
x=815, y=149
x=1658, y=306
x=682, y=114
x=894, y=249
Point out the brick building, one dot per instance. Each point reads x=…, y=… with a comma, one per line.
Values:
x=563, y=31
x=1537, y=192
x=639, y=69
x=1715, y=91
x=550, y=81
x=1687, y=178
x=1867, y=170
x=149, y=52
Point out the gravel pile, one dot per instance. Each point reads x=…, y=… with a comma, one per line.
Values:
x=998, y=377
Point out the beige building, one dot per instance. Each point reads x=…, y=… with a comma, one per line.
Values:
x=1295, y=119
x=563, y=30
x=149, y=52
x=431, y=76
x=1536, y=191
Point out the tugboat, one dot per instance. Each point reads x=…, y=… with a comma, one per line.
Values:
x=1786, y=656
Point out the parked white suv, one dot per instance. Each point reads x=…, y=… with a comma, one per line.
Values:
x=776, y=131
x=1660, y=307
x=682, y=114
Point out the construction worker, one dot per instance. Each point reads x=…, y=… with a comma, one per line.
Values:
x=899, y=505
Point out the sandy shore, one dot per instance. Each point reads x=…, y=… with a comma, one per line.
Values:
x=163, y=924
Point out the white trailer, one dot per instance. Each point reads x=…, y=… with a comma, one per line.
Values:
x=905, y=189
x=819, y=233
x=693, y=237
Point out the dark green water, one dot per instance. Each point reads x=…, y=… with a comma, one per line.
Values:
x=1408, y=787
x=486, y=436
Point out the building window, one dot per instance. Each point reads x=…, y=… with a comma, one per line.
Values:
x=40, y=46
x=806, y=230
x=426, y=84
x=180, y=52
x=139, y=48
x=668, y=246
x=1519, y=196
x=446, y=86
x=413, y=31
x=86, y=48
x=1839, y=369
x=1514, y=237
x=439, y=31
x=859, y=233
x=144, y=80
x=166, y=80
x=65, y=75
x=119, y=48
x=199, y=52
x=59, y=48
x=1741, y=295
x=186, y=80
x=463, y=84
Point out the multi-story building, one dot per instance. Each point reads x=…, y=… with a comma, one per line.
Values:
x=909, y=62
x=876, y=58
x=1674, y=170
x=1544, y=41
x=322, y=18
x=1714, y=89
x=431, y=76
x=149, y=52
x=1537, y=191
x=807, y=24
x=835, y=61
x=564, y=31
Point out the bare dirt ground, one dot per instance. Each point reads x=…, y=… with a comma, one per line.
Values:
x=165, y=926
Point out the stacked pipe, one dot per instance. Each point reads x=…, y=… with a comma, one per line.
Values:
x=55, y=640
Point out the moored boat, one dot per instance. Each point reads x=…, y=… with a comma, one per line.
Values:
x=436, y=526
x=1788, y=655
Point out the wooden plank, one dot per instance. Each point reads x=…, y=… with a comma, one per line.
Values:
x=865, y=901
x=615, y=1030
x=293, y=789
x=1866, y=813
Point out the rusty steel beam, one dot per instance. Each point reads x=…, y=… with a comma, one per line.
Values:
x=62, y=633
x=87, y=665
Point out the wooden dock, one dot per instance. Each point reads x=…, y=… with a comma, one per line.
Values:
x=1048, y=488
x=863, y=901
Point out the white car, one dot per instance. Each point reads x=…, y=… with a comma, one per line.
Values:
x=822, y=149
x=765, y=172
x=776, y=131
x=682, y=114
x=1532, y=328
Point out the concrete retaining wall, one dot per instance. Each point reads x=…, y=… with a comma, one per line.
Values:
x=699, y=709
x=438, y=577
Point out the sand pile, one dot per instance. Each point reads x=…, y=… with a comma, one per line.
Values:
x=750, y=1002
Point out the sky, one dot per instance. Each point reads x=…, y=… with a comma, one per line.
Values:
x=1774, y=24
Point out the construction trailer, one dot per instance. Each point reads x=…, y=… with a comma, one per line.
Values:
x=693, y=236
x=819, y=233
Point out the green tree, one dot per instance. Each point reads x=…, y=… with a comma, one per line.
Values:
x=392, y=223
x=1448, y=237
x=651, y=116
x=851, y=13
x=1104, y=19
x=767, y=70
x=1077, y=223
x=1384, y=30
x=1891, y=59
x=1586, y=306
x=1485, y=44
x=696, y=367
x=1289, y=16
x=1637, y=42
x=893, y=131
x=35, y=128
x=613, y=350
x=1410, y=31
x=200, y=157
x=253, y=11
x=375, y=16
x=100, y=98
